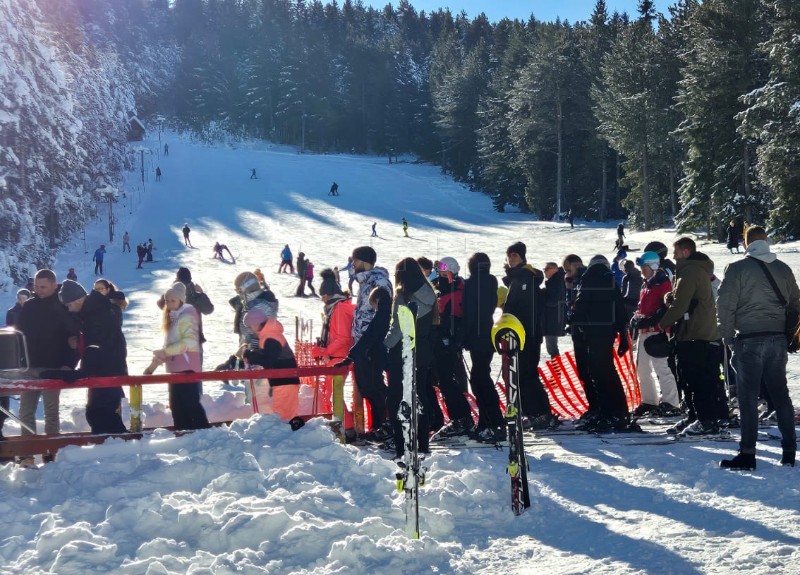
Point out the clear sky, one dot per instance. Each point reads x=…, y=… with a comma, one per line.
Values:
x=546, y=10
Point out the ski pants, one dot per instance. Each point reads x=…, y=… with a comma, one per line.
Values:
x=184, y=402
x=698, y=364
x=483, y=388
x=654, y=373
x=103, y=410
x=446, y=357
x=594, y=356
x=368, y=370
x=534, y=398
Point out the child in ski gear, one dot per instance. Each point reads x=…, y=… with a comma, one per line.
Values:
x=645, y=322
x=286, y=260
x=182, y=353
x=273, y=352
x=251, y=295
x=97, y=258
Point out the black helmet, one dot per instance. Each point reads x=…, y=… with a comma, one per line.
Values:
x=657, y=247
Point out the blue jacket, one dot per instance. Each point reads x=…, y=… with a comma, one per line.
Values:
x=99, y=253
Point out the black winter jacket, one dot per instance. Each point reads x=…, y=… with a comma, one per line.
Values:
x=599, y=309
x=525, y=300
x=480, y=301
x=47, y=325
x=105, y=350
x=555, y=304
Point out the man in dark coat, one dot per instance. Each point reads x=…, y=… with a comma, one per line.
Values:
x=555, y=306
x=51, y=333
x=104, y=354
x=480, y=301
x=525, y=301
x=598, y=316
x=12, y=314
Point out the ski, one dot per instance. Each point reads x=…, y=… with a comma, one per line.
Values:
x=509, y=337
x=411, y=474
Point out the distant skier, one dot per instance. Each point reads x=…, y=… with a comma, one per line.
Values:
x=405, y=227
x=334, y=190
x=141, y=252
x=71, y=275
x=158, y=174
x=219, y=248
x=99, y=254
x=374, y=229
x=286, y=260
x=620, y=236
x=571, y=218
x=150, y=249
x=733, y=237
x=186, y=240
x=126, y=242
x=310, y=277
x=166, y=149
x=253, y=174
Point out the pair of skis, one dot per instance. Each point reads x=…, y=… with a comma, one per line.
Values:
x=509, y=338
x=411, y=475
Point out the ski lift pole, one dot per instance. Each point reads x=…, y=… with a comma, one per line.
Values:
x=136, y=408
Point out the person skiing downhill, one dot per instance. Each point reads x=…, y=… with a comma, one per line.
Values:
x=334, y=190
x=253, y=175
x=286, y=260
x=405, y=227
x=374, y=229
x=186, y=240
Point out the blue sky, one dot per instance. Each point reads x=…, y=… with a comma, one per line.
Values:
x=547, y=10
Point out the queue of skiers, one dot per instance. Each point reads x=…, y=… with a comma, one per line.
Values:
x=683, y=324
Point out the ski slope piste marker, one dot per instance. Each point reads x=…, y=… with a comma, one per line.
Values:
x=411, y=475
x=508, y=336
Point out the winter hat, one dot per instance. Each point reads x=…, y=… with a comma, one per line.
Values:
x=246, y=282
x=599, y=259
x=621, y=254
x=329, y=285
x=517, y=248
x=24, y=292
x=254, y=318
x=183, y=275
x=70, y=291
x=657, y=247
x=448, y=264
x=178, y=291
x=649, y=259
x=366, y=254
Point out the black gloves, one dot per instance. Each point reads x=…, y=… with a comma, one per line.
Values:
x=624, y=344
x=344, y=362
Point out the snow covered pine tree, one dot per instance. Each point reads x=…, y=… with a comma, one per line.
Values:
x=411, y=475
x=508, y=336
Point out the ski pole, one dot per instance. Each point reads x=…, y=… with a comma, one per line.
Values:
x=17, y=419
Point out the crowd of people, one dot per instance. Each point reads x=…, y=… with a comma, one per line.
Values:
x=686, y=329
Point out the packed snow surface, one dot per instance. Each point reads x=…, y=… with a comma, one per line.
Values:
x=256, y=497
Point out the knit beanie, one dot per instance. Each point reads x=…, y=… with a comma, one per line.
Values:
x=518, y=248
x=365, y=254
x=70, y=291
x=24, y=292
x=178, y=291
x=599, y=259
x=329, y=285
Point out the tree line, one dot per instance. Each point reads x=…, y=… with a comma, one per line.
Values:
x=689, y=118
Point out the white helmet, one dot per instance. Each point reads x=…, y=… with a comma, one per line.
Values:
x=448, y=264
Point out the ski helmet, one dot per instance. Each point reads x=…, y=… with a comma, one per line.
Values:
x=448, y=264
x=649, y=259
x=506, y=323
x=657, y=247
x=245, y=283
